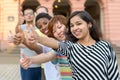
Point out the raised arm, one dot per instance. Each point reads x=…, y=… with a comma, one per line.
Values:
x=50, y=42
x=20, y=22
x=47, y=41
x=41, y=58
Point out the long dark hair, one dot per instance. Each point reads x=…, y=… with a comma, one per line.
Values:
x=88, y=19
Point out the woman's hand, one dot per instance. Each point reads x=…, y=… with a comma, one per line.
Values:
x=25, y=61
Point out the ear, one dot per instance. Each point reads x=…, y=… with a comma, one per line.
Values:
x=89, y=25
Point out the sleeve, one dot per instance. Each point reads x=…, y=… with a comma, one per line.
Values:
x=23, y=27
x=64, y=48
x=113, y=72
x=46, y=49
x=40, y=33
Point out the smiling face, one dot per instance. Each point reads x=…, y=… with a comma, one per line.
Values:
x=29, y=15
x=59, y=31
x=79, y=28
x=42, y=24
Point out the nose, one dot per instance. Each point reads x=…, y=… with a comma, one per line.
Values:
x=44, y=30
x=74, y=27
x=58, y=31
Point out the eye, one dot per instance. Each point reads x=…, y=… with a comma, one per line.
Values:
x=78, y=23
x=59, y=27
x=39, y=26
x=45, y=23
x=71, y=25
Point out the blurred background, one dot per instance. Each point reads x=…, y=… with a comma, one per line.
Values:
x=105, y=12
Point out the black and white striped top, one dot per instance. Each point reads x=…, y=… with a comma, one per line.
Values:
x=95, y=62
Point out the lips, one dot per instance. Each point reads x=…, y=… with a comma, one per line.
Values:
x=46, y=32
x=77, y=33
x=61, y=36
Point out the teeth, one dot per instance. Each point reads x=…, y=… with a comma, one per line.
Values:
x=77, y=32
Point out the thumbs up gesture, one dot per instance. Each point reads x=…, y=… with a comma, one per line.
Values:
x=25, y=61
x=21, y=19
x=19, y=37
x=10, y=37
x=32, y=38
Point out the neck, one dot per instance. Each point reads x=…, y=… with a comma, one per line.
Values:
x=87, y=41
x=29, y=24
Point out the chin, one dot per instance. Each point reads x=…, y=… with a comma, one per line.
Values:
x=78, y=37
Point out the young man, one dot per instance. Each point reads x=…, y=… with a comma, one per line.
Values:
x=34, y=71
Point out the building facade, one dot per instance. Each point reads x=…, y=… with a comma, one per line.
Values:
x=105, y=12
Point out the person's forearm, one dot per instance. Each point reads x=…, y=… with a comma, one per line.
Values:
x=16, y=28
x=43, y=57
x=37, y=49
x=50, y=42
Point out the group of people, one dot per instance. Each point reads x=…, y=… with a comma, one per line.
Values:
x=72, y=48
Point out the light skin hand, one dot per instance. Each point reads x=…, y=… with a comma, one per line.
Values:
x=20, y=22
x=50, y=42
x=22, y=37
x=18, y=38
x=34, y=45
x=25, y=61
x=10, y=37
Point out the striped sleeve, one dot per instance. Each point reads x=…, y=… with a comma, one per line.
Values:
x=64, y=48
x=113, y=73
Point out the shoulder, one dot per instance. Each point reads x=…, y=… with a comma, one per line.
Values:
x=36, y=28
x=23, y=27
x=105, y=45
x=67, y=43
x=46, y=49
x=103, y=42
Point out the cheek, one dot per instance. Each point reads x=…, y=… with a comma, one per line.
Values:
x=63, y=29
x=46, y=26
x=41, y=31
x=71, y=30
x=55, y=35
x=86, y=29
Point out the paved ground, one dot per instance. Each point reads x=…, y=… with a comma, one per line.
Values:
x=9, y=72
x=9, y=66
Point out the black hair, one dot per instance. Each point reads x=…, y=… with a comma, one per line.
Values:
x=42, y=7
x=42, y=15
x=88, y=19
